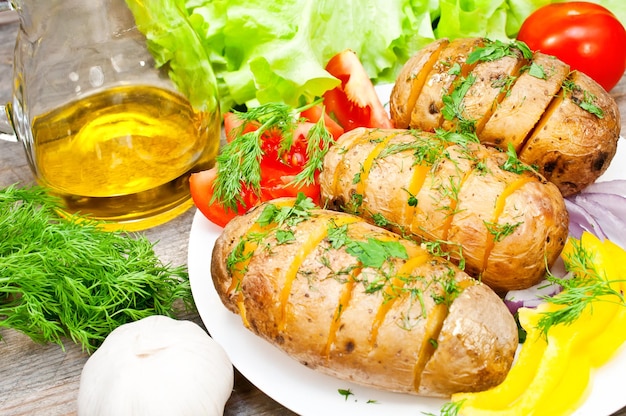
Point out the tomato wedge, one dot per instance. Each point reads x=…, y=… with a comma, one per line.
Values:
x=201, y=187
x=232, y=123
x=276, y=184
x=354, y=103
x=278, y=168
x=313, y=115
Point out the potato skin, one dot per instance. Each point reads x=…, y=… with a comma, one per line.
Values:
x=348, y=349
x=524, y=104
x=571, y=146
x=426, y=114
x=462, y=337
x=509, y=226
x=408, y=83
x=536, y=114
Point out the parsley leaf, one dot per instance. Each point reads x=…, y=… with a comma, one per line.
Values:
x=537, y=71
x=583, y=98
x=497, y=49
x=345, y=392
x=289, y=215
x=513, y=164
x=374, y=253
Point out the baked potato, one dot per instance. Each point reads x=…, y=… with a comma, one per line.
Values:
x=558, y=120
x=482, y=206
x=361, y=303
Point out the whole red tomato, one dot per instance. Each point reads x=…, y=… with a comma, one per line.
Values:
x=584, y=35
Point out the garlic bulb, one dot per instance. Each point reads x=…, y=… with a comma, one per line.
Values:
x=156, y=366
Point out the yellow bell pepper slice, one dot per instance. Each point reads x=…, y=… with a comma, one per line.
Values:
x=516, y=382
x=552, y=373
x=570, y=392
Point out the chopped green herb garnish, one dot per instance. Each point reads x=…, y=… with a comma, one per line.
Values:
x=537, y=71
x=496, y=49
x=337, y=236
x=285, y=236
x=448, y=409
x=455, y=69
x=453, y=106
x=513, y=164
x=289, y=215
x=374, y=253
x=436, y=249
x=500, y=231
x=462, y=138
x=345, y=393
x=583, y=98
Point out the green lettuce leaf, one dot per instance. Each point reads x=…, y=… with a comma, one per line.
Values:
x=255, y=51
x=276, y=51
x=172, y=39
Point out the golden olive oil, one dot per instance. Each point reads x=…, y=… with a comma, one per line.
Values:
x=125, y=154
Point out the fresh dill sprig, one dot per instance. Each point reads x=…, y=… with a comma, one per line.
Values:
x=239, y=163
x=65, y=277
x=500, y=231
x=448, y=409
x=319, y=141
x=586, y=286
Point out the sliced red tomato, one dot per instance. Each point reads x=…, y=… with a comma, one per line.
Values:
x=354, y=103
x=584, y=35
x=278, y=170
x=232, y=123
x=201, y=187
x=288, y=162
x=314, y=114
x=275, y=184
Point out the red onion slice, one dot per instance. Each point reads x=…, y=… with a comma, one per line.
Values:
x=531, y=297
x=581, y=220
x=534, y=295
x=615, y=187
x=601, y=210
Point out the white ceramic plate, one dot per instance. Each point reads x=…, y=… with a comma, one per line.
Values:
x=308, y=392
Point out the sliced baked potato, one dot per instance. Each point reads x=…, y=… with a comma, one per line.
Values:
x=360, y=303
x=562, y=122
x=484, y=207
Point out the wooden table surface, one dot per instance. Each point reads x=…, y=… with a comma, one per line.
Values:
x=43, y=379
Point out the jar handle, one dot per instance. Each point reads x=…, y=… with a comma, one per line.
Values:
x=6, y=128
